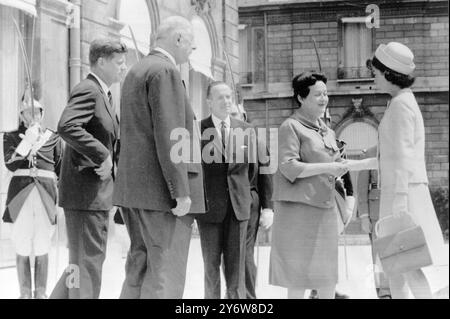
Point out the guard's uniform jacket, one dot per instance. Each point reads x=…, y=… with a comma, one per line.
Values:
x=40, y=170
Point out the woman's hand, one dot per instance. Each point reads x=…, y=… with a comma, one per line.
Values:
x=400, y=205
x=337, y=169
x=361, y=165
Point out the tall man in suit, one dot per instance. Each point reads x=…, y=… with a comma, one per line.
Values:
x=261, y=212
x=368, y=213
x=89, y=126
x=228, y=170
x=158, y=191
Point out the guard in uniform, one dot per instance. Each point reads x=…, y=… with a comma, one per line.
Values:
x=31, y=200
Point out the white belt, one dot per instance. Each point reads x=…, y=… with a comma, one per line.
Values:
x=35, y=172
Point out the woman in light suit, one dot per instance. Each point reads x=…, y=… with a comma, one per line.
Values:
x=401, y=156
x=304, y=252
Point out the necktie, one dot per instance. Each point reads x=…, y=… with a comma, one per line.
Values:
x=111, y=103
x=223, y=133
x=110, y=100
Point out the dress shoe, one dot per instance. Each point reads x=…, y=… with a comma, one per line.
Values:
x=338, y=295
x=313, y=294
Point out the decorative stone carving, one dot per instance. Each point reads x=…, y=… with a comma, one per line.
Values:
x=358, y=110
x=201, y=6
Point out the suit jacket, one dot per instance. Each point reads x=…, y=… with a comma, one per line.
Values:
x=300, y=143
x=368, y=195
x=154, y=105
x=226, y=182
x=402, y=144
x=89, y=127
x=261, y=184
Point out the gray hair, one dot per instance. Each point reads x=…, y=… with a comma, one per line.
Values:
x=171, y=25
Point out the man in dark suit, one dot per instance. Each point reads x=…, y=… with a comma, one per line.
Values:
x=228, y=167
x=261, y=213
x=368, y=213
x=89, y=126
x=156, y=189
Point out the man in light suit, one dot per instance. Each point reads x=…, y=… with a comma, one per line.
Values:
x=156, y=191
x=368, y=213
x=89, y=126
x=228, y=172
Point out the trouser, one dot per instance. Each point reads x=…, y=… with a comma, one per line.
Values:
x=225, y=239
x=32, y=230
x=87, y=234
x=381, y=280
x=252, y=232
x=157, y=259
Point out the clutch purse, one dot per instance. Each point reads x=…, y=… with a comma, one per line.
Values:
x=402, y=246
x=344, y=214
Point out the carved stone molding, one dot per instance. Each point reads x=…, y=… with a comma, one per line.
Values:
x=358, y=110
x=201, y=6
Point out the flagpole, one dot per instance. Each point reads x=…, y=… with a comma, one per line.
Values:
x=138, y=58
x=27, y=65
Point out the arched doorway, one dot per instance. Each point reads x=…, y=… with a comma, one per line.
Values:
x=140, y=19
x=200, y=62
x=358, y=136
x=135, y=16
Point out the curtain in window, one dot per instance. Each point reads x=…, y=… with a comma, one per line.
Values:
x=259, y=56
x=357, y=42
x=243, y=56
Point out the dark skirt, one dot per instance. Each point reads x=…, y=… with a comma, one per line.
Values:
x=304, y=252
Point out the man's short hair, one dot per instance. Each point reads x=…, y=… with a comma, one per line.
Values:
x=170, y=25
x=105, y=48
x=211, y=85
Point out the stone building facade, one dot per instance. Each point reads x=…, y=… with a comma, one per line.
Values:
x=278, y=40
x=344, y=42
x=63, y=30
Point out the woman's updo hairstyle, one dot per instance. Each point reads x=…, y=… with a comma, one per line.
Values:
x=396, y=78
x=302, y=82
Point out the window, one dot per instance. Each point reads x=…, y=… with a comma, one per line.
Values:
x=356, y=46
x=252, y=55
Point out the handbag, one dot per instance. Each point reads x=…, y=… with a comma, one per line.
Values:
x=344, y=211
x=344, y=214
x=401, y=246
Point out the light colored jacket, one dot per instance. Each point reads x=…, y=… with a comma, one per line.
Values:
x=402, y=144
x=300, y=143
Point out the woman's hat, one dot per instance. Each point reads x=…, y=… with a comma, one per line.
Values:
x=397, y=57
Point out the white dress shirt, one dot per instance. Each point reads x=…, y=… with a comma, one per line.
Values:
x=102, y=83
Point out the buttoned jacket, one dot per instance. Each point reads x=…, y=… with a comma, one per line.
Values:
x=300, y=143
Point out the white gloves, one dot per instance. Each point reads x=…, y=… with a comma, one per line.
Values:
x=266, y=219
x=400, y=204
x=29, y=139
